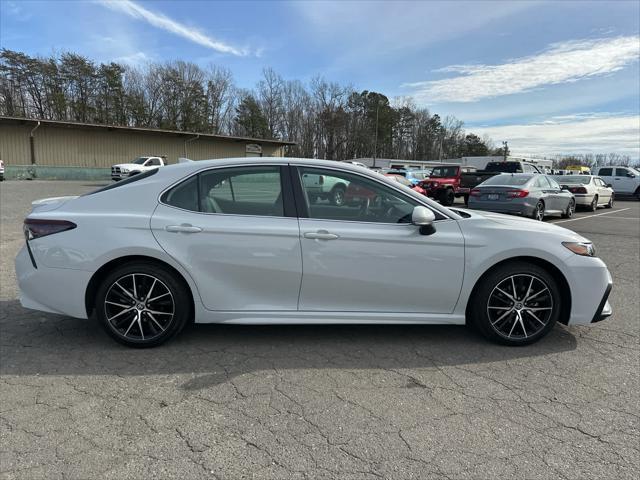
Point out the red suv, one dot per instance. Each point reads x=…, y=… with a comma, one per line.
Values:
x=444, y=183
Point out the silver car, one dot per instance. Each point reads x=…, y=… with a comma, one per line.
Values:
x=526, y=194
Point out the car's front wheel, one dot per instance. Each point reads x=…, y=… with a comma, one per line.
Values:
x=142, y=304
x=516, y=304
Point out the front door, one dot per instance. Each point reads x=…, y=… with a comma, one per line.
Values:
x=229, y=227
x=365, y=256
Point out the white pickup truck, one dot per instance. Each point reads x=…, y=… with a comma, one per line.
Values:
x=624, y=180
x=139, y=165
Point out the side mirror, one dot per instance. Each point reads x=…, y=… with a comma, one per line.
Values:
x=565, y=188
x=631, y=175
x=609, y=185
x=423, y=218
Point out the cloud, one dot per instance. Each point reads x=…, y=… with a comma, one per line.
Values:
x=580, y=133
x=163, y=22
x=561, y=63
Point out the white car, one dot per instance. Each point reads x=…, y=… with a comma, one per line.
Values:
x=237, y=241
x=139, y=165
x=588, y=190
x=624, y=180
x=1, y=170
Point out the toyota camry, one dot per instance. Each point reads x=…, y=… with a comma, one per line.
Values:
x=238, y=241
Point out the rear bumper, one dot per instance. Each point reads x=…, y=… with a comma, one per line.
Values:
x=55, y=290
x=502, y=207
x=583, y=199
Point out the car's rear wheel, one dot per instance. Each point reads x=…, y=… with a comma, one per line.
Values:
x=610, y=203
x=538, y=212
x=594, y=204
x=142, y=305
x=568, y=213
x=516, y=304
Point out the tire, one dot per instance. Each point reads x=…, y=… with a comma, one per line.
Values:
x=152, y=320
x=514, y=323
x=337, y=195
x=447, y=197
x=610, y=203
x=538, y=212
x=571, y=208
x=594, y=204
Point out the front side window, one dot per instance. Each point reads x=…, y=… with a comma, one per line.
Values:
x=606, y=172
x=444, y=172
x=234, y=191
x=363, y=199
x=153, y=163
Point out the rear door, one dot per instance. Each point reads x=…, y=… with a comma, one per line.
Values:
x=365, y=256
x=234, y=229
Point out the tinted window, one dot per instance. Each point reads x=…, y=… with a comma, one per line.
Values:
x=183, y=195
x=507, y=180
x=507, y=167
x=622, y=172
x=234, y=191
x=606, y=172
x=153, y=162
x=364, y=200
x=242, y=191
x=444, y=172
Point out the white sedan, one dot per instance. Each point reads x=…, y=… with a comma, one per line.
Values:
x=589, y=191
x=237, y=241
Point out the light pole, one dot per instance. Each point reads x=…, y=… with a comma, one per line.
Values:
x=505, y=148
x=375, y=141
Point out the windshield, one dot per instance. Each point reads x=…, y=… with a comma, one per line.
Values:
x=444, y=172
x=140, y=161
x=574, y=179
x=508, y=167
x=507, y=180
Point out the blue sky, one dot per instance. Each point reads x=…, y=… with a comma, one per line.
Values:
x=549, y=77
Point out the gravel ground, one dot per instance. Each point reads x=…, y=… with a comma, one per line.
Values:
x=320, y=402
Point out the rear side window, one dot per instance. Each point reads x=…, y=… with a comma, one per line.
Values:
x=122, y=183
x=606, y=172
x=231, y=191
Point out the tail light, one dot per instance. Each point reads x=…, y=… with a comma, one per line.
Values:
x=578, y=190
x=36, y=228
x=517, y=193
x=475, y=192
x=321, y=179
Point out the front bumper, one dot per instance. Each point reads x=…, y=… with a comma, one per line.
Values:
x=590, y=283
x=604, y=309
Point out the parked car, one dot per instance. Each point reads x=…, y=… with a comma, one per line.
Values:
x=526, y=194
x=1, y=171
x=225, y=241
x=578, y=170
x=469, y=180
x=139, y=165
x=414, y=176
x=324, y=187
x=588, y=190
x=624, y=180
x=444, y=183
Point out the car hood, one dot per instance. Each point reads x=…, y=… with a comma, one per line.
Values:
x=127, y=165
x=514, y=223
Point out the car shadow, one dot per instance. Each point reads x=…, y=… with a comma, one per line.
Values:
x=36, y=343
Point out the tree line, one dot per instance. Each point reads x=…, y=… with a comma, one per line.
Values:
x=324, y=118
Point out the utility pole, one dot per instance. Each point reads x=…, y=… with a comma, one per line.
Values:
x=505, y=148
x=375, y=142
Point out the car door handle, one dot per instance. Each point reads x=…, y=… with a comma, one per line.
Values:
x=321, y=235
x=182, y=228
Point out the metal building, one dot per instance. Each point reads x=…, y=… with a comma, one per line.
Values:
x=70, y=144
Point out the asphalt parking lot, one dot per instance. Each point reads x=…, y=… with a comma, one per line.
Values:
x=317, y=402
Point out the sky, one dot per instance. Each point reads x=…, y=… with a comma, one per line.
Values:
x=549, y=77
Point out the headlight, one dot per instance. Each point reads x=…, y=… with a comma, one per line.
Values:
x=586, y=249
